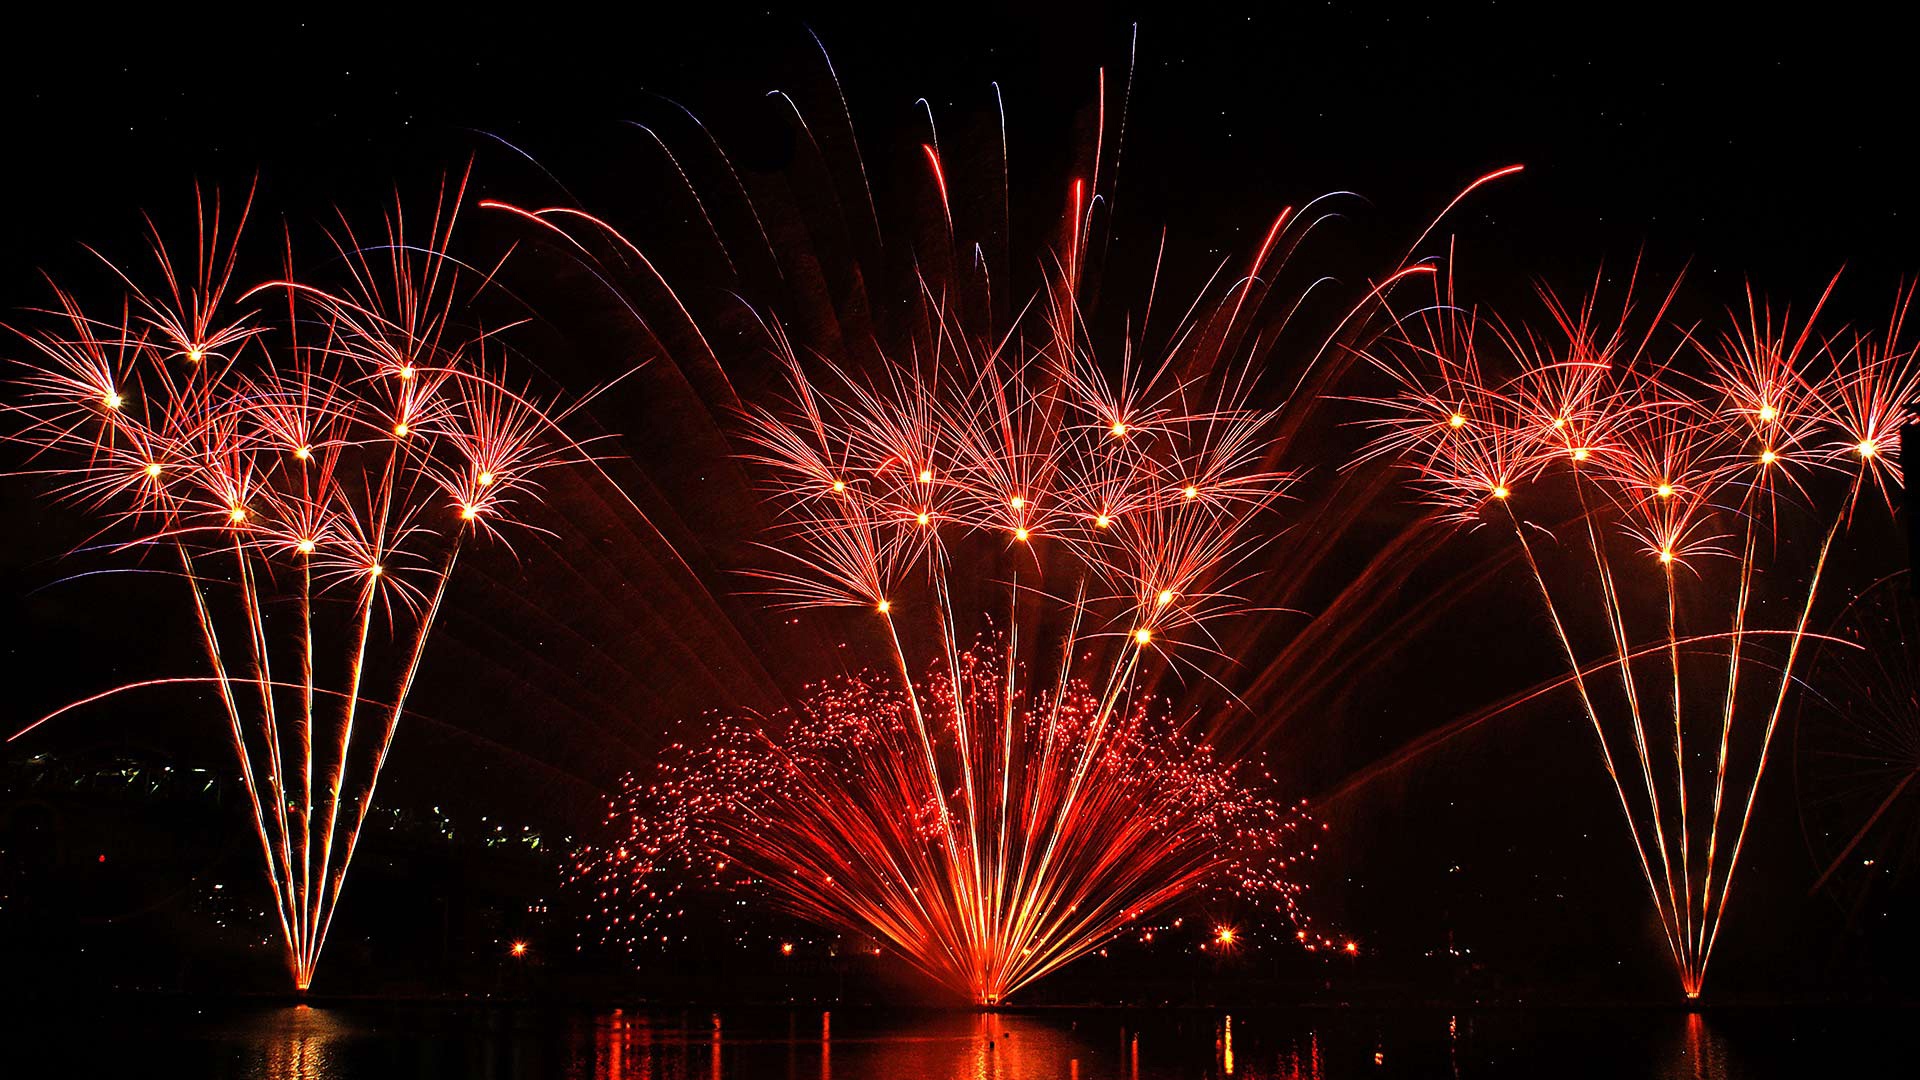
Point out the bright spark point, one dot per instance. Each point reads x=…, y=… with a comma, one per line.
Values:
x=923, y=517
x=1500, y=491
x=786, y=948
x=1190, y=492
x=1224, y=935
x=1559, y=422
x=1353, y=948
x=486, y=479
x=1666, y=555
x=839, y=486
x=375, y=570
x=1579, y=453
x=406, y=375
x=885, y=606
x=1166, y=597
x=194, y=355
x=1102, y=521
x=304, y=547
x=519, y=948
x=1020, y=534
x=237, y=515
x=303, y=452
x=467, y=512
x=1767, y=413
x=400, y=430
x=926, y=476
x=1119, y=430
x=1768, y=457
x=1143, y=636
x=1016, y=502
x=1456, y=420
x=1665, y=491
x=153, y=470
x=111, y=399
x=1866, y=448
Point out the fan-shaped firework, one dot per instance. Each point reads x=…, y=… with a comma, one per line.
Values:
x=1064, y=821
x=1704, y=477
x=315, y=459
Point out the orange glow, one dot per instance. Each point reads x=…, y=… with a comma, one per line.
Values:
x=375, y=570
x=926, y=476
x=237, y=515
x=839, y=486
x=1102, y=521
x=406, y=375
x=1190, y=492
x=153, y=470
x=111, y=399
x=194, y=355
x=1353, y=948
x=1767, y=413
x=923, y=518
x=400, y=430
x=1166, y=597
x=1500, y=491
x=1224, y=935
x=885, y=606
x=303, y=452
x=519, y=948
x=1579, y=453
x=1666, y=555
x=304, y=546
x=1020, y=534
x=1664, y=490
x=1559, y=422
x=1016, y=502
x=1456, y=420
x=467, y=512
x=1119, y=430
x=1866, y=448
x=786, y=948
x=1143, y=636
x=486, y=479
x=1768, y=457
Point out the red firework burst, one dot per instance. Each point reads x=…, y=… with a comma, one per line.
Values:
x=315, y=459
x=1702, y=473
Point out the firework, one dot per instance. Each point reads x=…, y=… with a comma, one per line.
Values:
x=989, y=830
x=942, y=454
x=1069, y=823
x=1685, y=477
x=314, y=459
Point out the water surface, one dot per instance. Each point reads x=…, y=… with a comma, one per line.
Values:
x=367, y=1041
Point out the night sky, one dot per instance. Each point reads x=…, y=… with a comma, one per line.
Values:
x=1743, y=149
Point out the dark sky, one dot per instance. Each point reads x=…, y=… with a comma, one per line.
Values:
x=1748, y=147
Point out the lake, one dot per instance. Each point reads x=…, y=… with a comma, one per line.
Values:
x=350, y=1042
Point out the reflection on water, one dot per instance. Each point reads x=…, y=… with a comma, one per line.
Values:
x=297, y=1043
x=349, y=1043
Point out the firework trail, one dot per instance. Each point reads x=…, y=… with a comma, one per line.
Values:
x=314, y=459
x=1688, y=475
